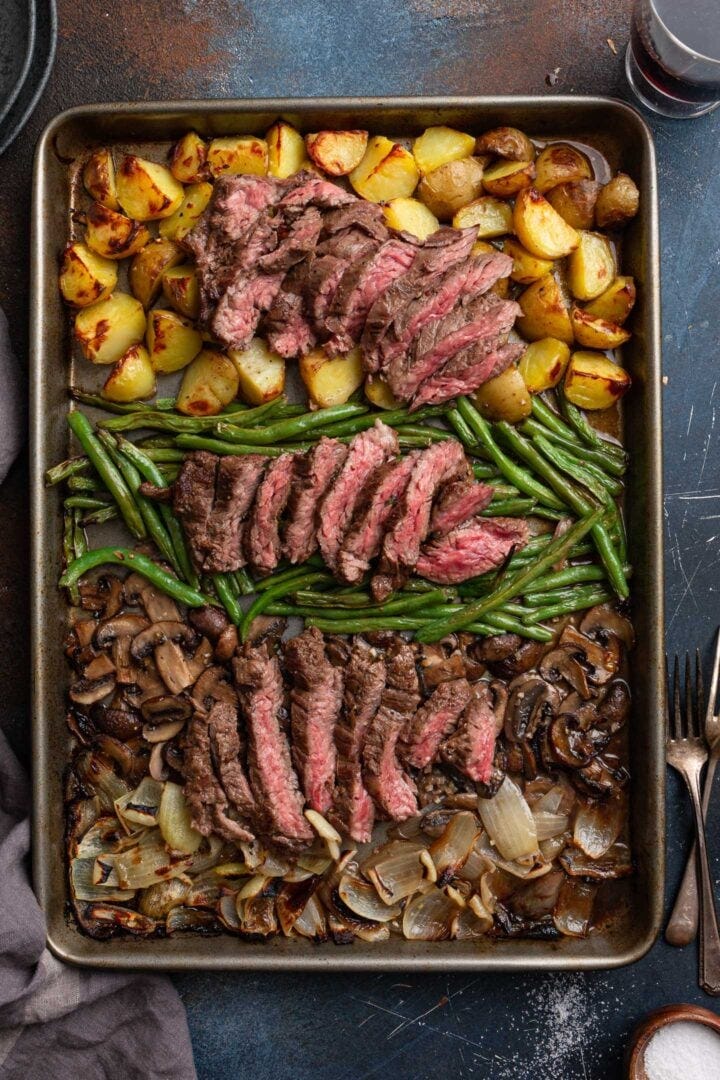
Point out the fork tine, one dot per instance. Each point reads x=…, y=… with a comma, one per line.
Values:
x=714, y=680
x=689, y=718
x=699, y=694
x=677, y=712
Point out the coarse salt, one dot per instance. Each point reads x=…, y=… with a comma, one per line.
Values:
x=683, y=1050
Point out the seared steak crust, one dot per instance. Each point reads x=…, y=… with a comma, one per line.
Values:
x=391, y=788
x=433, y=722
x=262, y=537
x=457, y=503
x=193, y=498
x=313, y=475
x=211, y=743
x=472, y=549
x=472, y=747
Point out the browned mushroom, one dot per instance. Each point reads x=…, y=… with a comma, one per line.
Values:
x=209, y=621
x=159, y=606
x=104, y=596
x=117, y=718
x=524, y=658
x=201, y=658
x=600, y=662
x=227, y=643
x=213, y=686
x=615, y=863
x=99, y=666
x=615, y=706
x=571, y=746
x=88, y=691
x=531, y=698
x=605, y=621
x=165, y=716
x=266, y=628
x=162, y=638
x=437, y=666
x=560, y=665
x=119, y=633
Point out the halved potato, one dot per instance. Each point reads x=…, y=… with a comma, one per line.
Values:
x=591, y=266
x=261, y=372
x=438, y=145
x=286, y=149
x=387, y=171
x=99, y=178
x=617, y=202
x=179, y=224
x=558, y=163
x=447, y=189
x=505, y=397
x=172, y=340
x=208, y=385
x=331, y=381
x=545, y=311
x=543, y=364
x=235, y=155
x=594, y=382
x=540, y=229
x=112, y=234
x=85, y=276
x=411, y=216
x=505, y=178
x=148, y=266
x=337, y=152
x=106, y=330
x=593, y=332
x=188, y=161
x=379, y=393
x=526, y=267
x=147, y=191
x=506, y=142
x=132, y=378
x=575, y=202
x=616, y=303
x=491, y=217
x=181, y=289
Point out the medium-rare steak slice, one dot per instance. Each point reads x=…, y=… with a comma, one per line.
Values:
x=314, y=472
x=333, y=258
x=315, y=703
x=236, y=482
x=226, y=752
x=262, y=535
x=311, y=190
x=433, y=722
x=472, y=549
x=239, y=310
x=457, y=503
x=391, y=788
x=358, y=214
x=471, y=748
x=272, y=778
x=206, y=798
x=286, y=324
x=299, y=240
x=466, y=371
x=193, y=498
x=367, y=452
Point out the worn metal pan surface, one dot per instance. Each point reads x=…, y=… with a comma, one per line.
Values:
x=621, y=136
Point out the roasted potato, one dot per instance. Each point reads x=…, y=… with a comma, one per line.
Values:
x=505, y=397
x=379, y=393
x=208, y=385
x=594, y=333
x=447, y=189
x=545, y=312
x=148, y=266
x=505, y=178
x=617, y=203
x=132, y=378
x=179, y=224
x=181, y=289
x=439, y=145
x=526, y=267
x=235, y=155
x=540, y=229
x=411, y=216
x=506, y=142
x=261, y=372
x=491, y=217
x=591, y=266
x=336, y=152
x=188, y=161
x=99, y=178
x=147, y=191
x=172, y=340
x=593, y=381
x=616, y=303
x=85, y=276
x=106, y=330
x=331, y=381
x=558, y=163
x=543, y=364
x=286, y=149
x=387, y=171
x=575, y=202
x=113, y=235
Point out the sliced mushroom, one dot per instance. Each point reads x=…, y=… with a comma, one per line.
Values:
x=605, y=621
x=227, y=643
x=597, y=779
x=165, y=707
x=497, y=648
x=524, y=658
x=209, y=621
x=615, y=706
x=213, y=686
x=500, y=695
x=559, y=665
x=159, y=606
x=88, y=691
x=173, y=667
x=117, y=719
x=158, y=633
x=119, y=632
x=103, y=596
x=129, y=764
x=266, y=628
x=98, y=667
x=531, y=697
x=437, y=667
x=84, y=632
x=571, y=746
x=600, y=662
x=201, y=658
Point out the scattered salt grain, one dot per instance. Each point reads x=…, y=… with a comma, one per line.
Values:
x=683, y=1050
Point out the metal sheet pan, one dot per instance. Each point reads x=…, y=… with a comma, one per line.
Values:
x=620, y=134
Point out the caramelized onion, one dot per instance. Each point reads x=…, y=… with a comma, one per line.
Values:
x=451, y=849
x=573, y=910
x=428, y=916
x=395, y=870
x=362, y=898
x=598, y=825
x=311, y=922
x=509, y=822
x=175, y=820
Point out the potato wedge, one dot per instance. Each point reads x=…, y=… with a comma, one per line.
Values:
x=179, y=224
x=379, y=393
x=147, y=191
x=439, y=145
x=172, y=341
x=526, y=267
x=594, y=333
x=616, y=303
x=575, y=202
x=261, y=372
x=491, y=216
x=85, y=276
x=411, y=216
x=447, y=189
x=591, y=266
x=148, y=266
x=506, y=142
x=387, y=171
x=181, y=289
x=209, y=384
x=505, y=178
x=505, y=397
x=286, y=149
x=543, y=364
x=113, y=235
x=337, y=152
x=331, y=381
x=593, y=381
x=99, y=178
x=540, y=229
x=236, y=155
x=132, y=378
x=188, y=160
x=106, y=330
x=617, y=203
x=558, y=163
x=545, y=312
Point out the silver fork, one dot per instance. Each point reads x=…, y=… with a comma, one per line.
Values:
x=683, y=925
x=687, y=752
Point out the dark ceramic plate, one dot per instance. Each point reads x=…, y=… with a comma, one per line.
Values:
x=17, y=43
x=39, y=68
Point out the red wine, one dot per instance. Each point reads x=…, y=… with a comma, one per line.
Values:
x=676, y=45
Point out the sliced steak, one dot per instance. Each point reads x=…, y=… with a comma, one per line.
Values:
x=433, y=722
x=286, y=324
x=471, y=748
x=457, y=503
x=226, y=752
x=367, y=452
x=299, y=240
x=333, y=258
x=314, y=473
x=311, y=190
x=391, y=788
x=466, y=371
x=193, y=498
x=206, y=798
x=235, y=486
x=241, y=307
x=472, y=549
x=315, y=703
x=262, y=535
x=368, y=217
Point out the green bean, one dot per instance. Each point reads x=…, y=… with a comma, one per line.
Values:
x=573, y=600
x=284, y=430
x=607, y=462
x=582, y=426
x=275, y=592
x=69, y=553
x=190, y=425
x=78, y=536
x=511, y=625
x=463, y=431
x=141, y=564
x=506, y=507
x=84, y=502
x=550, y=419
x=157, y=442
x=391, y=417
x=108, y=472
x=289, y=573
x=307, y=598
x=86, y=397
x=584, y=472
x=74, y=466
x=427, y=431
x=83, y=483
x=244, y=582
x=570, y=575
x=225, y=593
x=402, y=605
x=169, y=474
x=482, y=471
x=505, y=491
x=215, y=446
x=99, y=517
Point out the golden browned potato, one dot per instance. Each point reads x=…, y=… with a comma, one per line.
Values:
x=148, y=266
x=331, y=381
x=491, y=216
x=85, y=276
x=591, y=266
x=188, y=161
x=261, y=372
x=575, y=202
x=113, y=235
x=505, y=397
x=337, y=152
x=545, y=311
x=286, y=149
x=594, y=333
x=616, y=303
x=99, y=178
x=540, y=229
x=506, y=142
x=594, y=382
x=439, y=145
x=387, y=171
x=106, y=330
x=379, y=393
x=236, y=155
x=505, y=178
x=526, y=267
x=543, y=364
x=181, y=289
x=147, y=191
x=172, y=340
x=447, y=189
x=558, y=163
x=179, y=224
x=132, y=378
x=617, y=202
x=209, y=384
x=411, y=216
